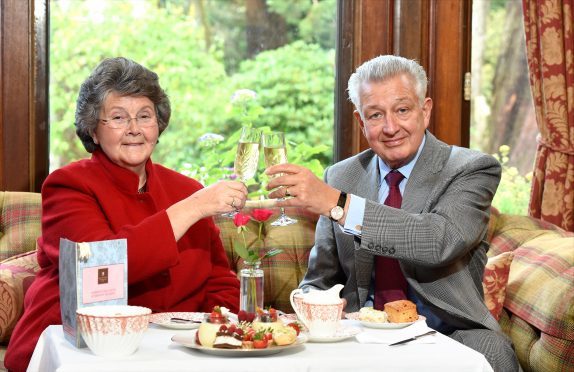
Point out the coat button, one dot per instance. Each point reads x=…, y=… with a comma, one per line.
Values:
x=378, y=247
x=370, y=245
x=391, y=250
x=385, y=249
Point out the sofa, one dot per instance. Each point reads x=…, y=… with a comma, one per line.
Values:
x=528, y=281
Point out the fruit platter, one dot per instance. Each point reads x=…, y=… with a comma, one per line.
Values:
x=254, y=334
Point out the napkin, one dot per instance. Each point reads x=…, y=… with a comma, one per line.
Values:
x=389, y=336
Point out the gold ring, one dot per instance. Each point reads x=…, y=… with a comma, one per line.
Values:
x=287, y=193
x=233, y=203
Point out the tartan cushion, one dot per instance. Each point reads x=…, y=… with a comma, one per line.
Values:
x=494, y=282
x=537, y=351
x=16, y=275
x=283, y=272
x=541, y=284
x=507, y=232
x=20, y=214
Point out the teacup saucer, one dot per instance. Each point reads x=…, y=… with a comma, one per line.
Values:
x=342, y=333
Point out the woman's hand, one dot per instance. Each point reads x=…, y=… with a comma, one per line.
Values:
x=221, y=197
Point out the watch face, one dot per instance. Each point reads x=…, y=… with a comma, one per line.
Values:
x=337, y=213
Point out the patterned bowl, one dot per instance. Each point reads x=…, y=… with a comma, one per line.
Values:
x=113, y=331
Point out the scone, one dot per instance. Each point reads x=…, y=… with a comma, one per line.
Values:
x=368, y=314
x=401, y=311
x=284, y=335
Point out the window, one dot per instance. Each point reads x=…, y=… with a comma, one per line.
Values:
x=502, y=112
x=203, y=52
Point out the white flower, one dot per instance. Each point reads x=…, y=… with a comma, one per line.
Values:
x=210, y=139
x=243, y=95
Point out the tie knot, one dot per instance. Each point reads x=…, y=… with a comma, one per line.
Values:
x=393, y=178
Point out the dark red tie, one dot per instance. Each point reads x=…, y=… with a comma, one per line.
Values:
x=390, y=283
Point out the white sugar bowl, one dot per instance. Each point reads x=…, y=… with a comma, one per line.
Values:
x=113, y=330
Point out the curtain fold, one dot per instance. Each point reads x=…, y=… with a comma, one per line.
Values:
x=548, y=25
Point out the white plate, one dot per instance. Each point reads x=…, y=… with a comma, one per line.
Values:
x=390, y=325
x=342, y=333
x=164, y=320
x=188, y=340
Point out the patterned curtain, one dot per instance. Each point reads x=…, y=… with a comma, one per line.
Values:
x=550, y=51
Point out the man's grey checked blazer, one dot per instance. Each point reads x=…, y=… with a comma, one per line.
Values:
x=437, y=235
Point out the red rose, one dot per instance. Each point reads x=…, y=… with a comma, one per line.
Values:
x=261, y=215
x=241, y=219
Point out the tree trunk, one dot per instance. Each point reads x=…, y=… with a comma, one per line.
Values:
x=264, y=30
x=511, y=120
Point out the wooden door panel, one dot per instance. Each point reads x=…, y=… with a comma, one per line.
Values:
x=434, y=32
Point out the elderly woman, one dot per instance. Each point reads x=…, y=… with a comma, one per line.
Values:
x=176, y=259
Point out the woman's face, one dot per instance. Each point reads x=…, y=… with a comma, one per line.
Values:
x=129, y=146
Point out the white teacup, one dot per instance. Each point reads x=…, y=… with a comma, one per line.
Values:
x=319, y=314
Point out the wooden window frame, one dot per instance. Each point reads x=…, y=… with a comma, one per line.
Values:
x=366, y=28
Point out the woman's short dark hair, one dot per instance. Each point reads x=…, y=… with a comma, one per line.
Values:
x=126, y=78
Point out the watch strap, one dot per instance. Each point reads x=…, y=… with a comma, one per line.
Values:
x=342, y=199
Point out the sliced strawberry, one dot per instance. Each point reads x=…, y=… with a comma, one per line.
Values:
x=273, y=314
x=295, y=326
x=260, y=344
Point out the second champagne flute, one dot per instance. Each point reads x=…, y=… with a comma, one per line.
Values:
x=275, y=152
x=247, y=157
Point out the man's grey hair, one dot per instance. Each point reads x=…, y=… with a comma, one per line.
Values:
x=382, y=68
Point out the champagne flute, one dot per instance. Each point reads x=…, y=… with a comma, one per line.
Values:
x=247, y=157
x=275, y=152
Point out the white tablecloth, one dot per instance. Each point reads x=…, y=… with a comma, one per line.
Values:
x=158, y=353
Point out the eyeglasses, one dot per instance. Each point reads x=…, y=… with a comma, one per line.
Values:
x=122, y=122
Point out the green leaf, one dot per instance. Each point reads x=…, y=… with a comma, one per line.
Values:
x=273, y=252
x=241, y=250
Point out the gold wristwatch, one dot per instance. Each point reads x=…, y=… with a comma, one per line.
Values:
x=338, y=211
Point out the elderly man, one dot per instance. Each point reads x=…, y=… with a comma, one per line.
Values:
x=405, y=219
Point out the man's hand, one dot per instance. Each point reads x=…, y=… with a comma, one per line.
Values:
x=306, y=189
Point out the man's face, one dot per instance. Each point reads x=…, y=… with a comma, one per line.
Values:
x=393, y=121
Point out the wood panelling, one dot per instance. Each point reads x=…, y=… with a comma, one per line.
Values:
x=434, y=32
x=23, y=94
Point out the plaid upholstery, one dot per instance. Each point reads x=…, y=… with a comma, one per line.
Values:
x=20, y=214
x=537, y=351
x=538, y=311
x=284, y=271
x=507, y=232
x=16, y=275
x=539, y=304
x=495, y=280
x=543, y=294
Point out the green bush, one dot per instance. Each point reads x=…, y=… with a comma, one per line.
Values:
x=295, y=86
x=513, y=193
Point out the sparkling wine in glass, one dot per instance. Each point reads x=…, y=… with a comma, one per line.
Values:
x=247, y=157
x=274, y=152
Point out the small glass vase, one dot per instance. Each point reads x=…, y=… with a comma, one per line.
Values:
x=251, y=287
